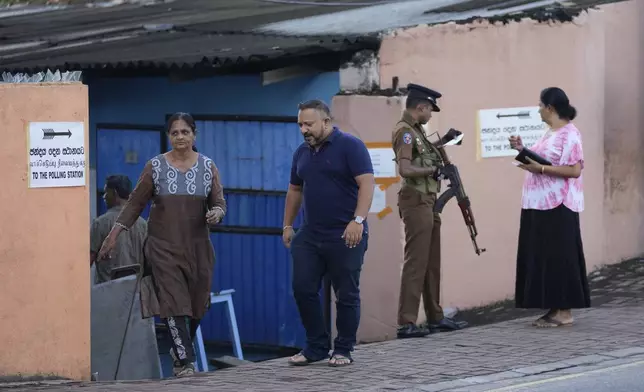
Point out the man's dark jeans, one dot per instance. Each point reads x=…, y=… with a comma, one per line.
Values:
x=312, y=259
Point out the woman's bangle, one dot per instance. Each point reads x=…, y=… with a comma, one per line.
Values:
x=542, y=168
x=122, y=226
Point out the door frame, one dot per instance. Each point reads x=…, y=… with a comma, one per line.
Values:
x=239, y=117
x=326, y=286
x=124, y=127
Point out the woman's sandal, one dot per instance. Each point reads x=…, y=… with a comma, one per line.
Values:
x=338, y=360
x=542, y=319
x=549, y=322
x=300, y=359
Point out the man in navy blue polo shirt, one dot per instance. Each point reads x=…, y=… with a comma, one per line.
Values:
x=332, y=176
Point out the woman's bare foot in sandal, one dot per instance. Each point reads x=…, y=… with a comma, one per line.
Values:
x=338, y=360
x=562, y=318
x=541, y=319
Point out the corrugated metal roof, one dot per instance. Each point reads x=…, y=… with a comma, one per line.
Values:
x=167, y=50
x=219, y=34
x=151, y=34
x=380, y=18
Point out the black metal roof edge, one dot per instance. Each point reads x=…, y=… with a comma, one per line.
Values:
x=556, y=5
x=214, y=63
x=539, y=14
x=271, y=34
x=322, y=61
x=542, y=14
x=319, y=39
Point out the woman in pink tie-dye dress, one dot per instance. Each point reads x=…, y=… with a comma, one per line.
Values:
x=551, y=267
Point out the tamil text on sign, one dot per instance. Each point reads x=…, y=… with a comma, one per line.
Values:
x=56, y=154
x=497, y=125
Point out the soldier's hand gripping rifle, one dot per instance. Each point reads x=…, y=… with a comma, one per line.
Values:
x=455, y=188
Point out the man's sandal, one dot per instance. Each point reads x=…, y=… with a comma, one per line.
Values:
x=338, y=360
x=300, y=359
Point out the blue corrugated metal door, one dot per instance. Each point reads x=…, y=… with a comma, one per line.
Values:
x=124, y=151
x=254, y=159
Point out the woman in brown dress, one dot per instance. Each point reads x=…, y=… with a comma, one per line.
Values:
x=187, y=197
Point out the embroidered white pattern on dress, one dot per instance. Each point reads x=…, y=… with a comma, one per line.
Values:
x=178, y=343
x=156, y=170
x=191, y=175
x=207, y=175
x=172, y=175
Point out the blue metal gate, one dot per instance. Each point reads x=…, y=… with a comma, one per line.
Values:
x=124, y=149
x=254, y=161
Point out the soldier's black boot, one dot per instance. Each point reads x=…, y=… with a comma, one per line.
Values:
x=447, y=324
x=412, y=331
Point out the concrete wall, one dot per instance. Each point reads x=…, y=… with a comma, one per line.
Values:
x=370, y=118
x=623, y=138
x=597, y=60
x=139, y=360
x=44, y=246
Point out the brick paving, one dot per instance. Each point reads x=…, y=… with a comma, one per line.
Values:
x=404, y=365
x=610, y=285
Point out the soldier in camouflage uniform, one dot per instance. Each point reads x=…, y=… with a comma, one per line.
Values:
x=419, y=164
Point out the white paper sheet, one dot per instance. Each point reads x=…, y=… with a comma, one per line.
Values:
x=379, y=202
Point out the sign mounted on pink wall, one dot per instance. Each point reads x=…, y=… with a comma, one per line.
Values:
x=385, y=173
x=56, y=154
x=495, y=126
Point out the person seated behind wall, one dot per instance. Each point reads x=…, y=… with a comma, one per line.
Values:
x=129, y=247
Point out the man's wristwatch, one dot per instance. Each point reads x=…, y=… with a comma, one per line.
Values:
x=359, y=219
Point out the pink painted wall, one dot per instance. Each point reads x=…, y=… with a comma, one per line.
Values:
x=380, y=279
x=44, y=245
x=597, y=61
x=623, y=138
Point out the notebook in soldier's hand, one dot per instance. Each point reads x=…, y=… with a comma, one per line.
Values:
x=521, y=157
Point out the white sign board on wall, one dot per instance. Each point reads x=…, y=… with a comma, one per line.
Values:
x=497, y=125
x=56, y=154
x=383, y=162
x=379, y=201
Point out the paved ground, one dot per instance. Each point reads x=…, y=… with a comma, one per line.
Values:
x=624, y=377
x=504, y=350
x=611, y=285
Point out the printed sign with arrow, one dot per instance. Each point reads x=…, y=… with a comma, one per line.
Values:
x=497, y=124
x=57, y=156
x=523, y=115
x=48, y=133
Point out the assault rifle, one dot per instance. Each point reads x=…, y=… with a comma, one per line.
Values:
x=455, y=188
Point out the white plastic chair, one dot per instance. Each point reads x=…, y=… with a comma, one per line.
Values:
x=224, y=296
